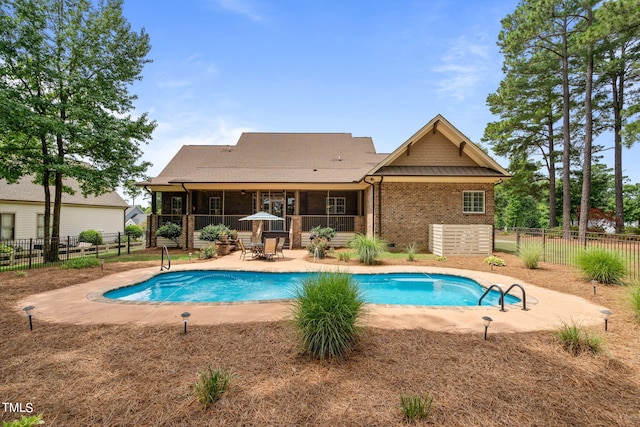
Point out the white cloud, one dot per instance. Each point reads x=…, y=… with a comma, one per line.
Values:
x=242, y=7
x=463, y=66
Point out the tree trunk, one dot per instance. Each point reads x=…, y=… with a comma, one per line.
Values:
x=566, y=133
x=552, y=177
x=618, y=99
x=588, y=142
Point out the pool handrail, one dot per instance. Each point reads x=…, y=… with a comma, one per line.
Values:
x=501, y=295
x=162, y=266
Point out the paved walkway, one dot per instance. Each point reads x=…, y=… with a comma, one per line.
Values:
x=84, y=304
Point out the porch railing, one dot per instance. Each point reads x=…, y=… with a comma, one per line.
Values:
x=339, y=223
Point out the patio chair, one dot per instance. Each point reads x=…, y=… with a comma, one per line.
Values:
x=243, y=249
x=279, y=246
x=270, y=245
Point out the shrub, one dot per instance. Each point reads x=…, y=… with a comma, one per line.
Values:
x=325, y=232
x=411, y=250
x=577, y=340
x=210, y=251
x=494, y=260
x=632, y=230
x=24, y=421
x=90, y=236
x=212, y=384
x=134, y=231
x=5, y=249
x=367, y=248
x=531, y=253
x=326, y=311
x=212, y=232
x=441, y=258
x=345, y=256
x=602, y=265
x=318, y=247
x=78, y=263
x=416, y=407
x=170, y=231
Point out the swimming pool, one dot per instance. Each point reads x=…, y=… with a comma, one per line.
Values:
x=235, y=286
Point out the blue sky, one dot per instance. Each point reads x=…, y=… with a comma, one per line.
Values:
x=372, y=68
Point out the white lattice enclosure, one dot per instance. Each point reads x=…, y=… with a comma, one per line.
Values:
x=457, y=239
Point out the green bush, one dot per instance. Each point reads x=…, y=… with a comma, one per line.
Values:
x=134, y=231
x=494, y=260
x=602, y=265
x=416, y=407
x=531, y=253
x=212, y=232
x=326, y=311
x=577, y=340
x=411, y=250
x=345, y=256
x=320, y=231
x=367, y=248
x=24, y=421
x=90, y=236
x=78, y=263
x=5, y=249
x=212, y=384
x=210, y=251
x=318, y=247
x=632, y=230
x=170, y=231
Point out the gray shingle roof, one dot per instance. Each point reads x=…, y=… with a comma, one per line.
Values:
x=275, y=157
x=26, y=191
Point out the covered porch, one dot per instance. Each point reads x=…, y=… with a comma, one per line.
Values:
x=301, y=210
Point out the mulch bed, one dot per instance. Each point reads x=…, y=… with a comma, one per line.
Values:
x=110, y=375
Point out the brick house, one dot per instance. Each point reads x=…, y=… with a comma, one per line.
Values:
x=437, y=178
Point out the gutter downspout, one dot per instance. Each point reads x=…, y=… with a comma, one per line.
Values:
x=188, y=211
x=373, y=203
x=380, y=206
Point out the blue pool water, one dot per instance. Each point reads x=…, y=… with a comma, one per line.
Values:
x=233, y=286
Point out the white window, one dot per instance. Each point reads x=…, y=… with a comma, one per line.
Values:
x=214, y=206
x=176, y=205
x=473, y=201
x=6, y=226
x=336, y=205
x=40, y=226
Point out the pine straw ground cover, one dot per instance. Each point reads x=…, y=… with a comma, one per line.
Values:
x=131, y=375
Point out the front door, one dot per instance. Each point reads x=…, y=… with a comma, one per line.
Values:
x=274, y=204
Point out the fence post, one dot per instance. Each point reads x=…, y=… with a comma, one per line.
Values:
x=68, y=246
x=30, y=252
x=517, y=240
x=544, y=245
x=128, y=244
x=119, y=243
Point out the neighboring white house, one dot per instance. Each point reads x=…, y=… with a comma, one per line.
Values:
x=22, y=211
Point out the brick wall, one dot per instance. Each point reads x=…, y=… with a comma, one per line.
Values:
x=409, y=208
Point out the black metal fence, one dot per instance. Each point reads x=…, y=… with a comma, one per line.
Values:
x=561, y=248
x=21, y=254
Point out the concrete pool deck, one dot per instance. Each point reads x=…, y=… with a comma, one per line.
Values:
x=84, y=304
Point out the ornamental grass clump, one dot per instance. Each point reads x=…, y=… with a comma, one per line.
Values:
x=367, y=248
x=416, y=407
x=634, y=297
x=577, y=340
x=531, y=254
x=602, y=265
x=411, y=250
x=212, y=384
x=326, y=311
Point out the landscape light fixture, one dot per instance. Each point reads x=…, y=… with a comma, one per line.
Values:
x=487, y=322
x=185, y=318
x=607, y=314
x=29, y=310
x=595, y=284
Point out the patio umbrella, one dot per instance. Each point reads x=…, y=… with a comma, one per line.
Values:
x=262, y=216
